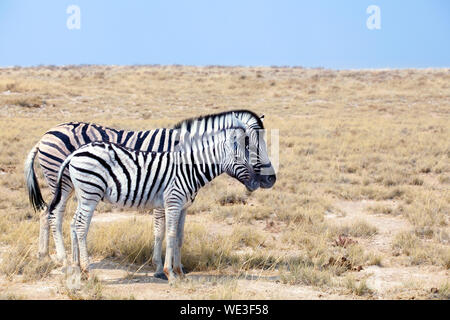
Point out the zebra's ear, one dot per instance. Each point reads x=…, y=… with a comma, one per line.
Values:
x=262, y=118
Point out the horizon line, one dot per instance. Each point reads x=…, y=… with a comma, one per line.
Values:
x=85, y=65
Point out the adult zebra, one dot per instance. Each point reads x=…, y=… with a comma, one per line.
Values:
x=59, y=142
x=102, y=171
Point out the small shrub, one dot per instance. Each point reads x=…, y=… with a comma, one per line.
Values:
x=359, y=228
x=21, y=260
x=232, y=199
x=359, y=288
x=306, y=275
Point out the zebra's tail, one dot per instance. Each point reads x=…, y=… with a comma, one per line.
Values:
x=34, y=192
x=57, y=196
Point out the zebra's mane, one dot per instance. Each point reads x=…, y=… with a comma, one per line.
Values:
x=187, y=138
x=206, y=118
x=184, y=145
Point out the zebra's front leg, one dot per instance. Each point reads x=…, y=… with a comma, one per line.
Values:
x=172, y=217
x=159, y=225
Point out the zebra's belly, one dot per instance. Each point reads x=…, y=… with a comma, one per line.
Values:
x=124, y=201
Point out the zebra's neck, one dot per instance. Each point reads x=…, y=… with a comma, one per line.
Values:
x=202, y=160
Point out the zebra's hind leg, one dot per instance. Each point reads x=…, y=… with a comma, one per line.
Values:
x=177, y=266
x=44, y=226
x=172, y=217
x=79, y=229
x=55, y=222
x=159, y=221
x=73, y=273
x=44, y=229
x=74, y=241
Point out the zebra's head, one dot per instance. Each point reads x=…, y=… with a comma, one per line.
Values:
x=247, y=158
x=254, y=142
x=236, y=164
x=258, y=156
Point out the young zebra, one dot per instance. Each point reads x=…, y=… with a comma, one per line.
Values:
x=170, y=180
x=59, y=142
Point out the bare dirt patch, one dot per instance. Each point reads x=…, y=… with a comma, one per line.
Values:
x=390, y=279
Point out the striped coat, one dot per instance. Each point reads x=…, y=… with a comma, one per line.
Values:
x=59, y=142
x=129, y=178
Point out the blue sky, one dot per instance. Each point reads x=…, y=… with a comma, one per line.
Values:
x=321, y=33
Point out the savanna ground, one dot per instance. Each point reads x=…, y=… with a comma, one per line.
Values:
x=360, y=209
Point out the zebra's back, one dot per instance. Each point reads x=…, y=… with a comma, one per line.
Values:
x=59, y=142
x=119, y=175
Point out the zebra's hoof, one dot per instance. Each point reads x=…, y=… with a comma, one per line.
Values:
x=160, y=275
x=59, y=261
x=73, y=278
x=185, y=271
x=42, y=255
x=86, y=273
x=72, y=269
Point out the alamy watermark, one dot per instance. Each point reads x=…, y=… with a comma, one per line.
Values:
x=256, y=153
x=74, y=20
x=373, y=22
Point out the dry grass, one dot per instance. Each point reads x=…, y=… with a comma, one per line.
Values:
x=420, y=252
x=359, y=228
x=92, y=289
x=22, y=261
x=128, y=242
x=373, y=135
x=444, y=291
x=306, y=275
x=357, y=287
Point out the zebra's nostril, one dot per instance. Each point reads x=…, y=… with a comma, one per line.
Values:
x=267, y=181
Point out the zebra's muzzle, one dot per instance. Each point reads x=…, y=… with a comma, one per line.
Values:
x=252, y=184
x=267, y=181
x=266, y=176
